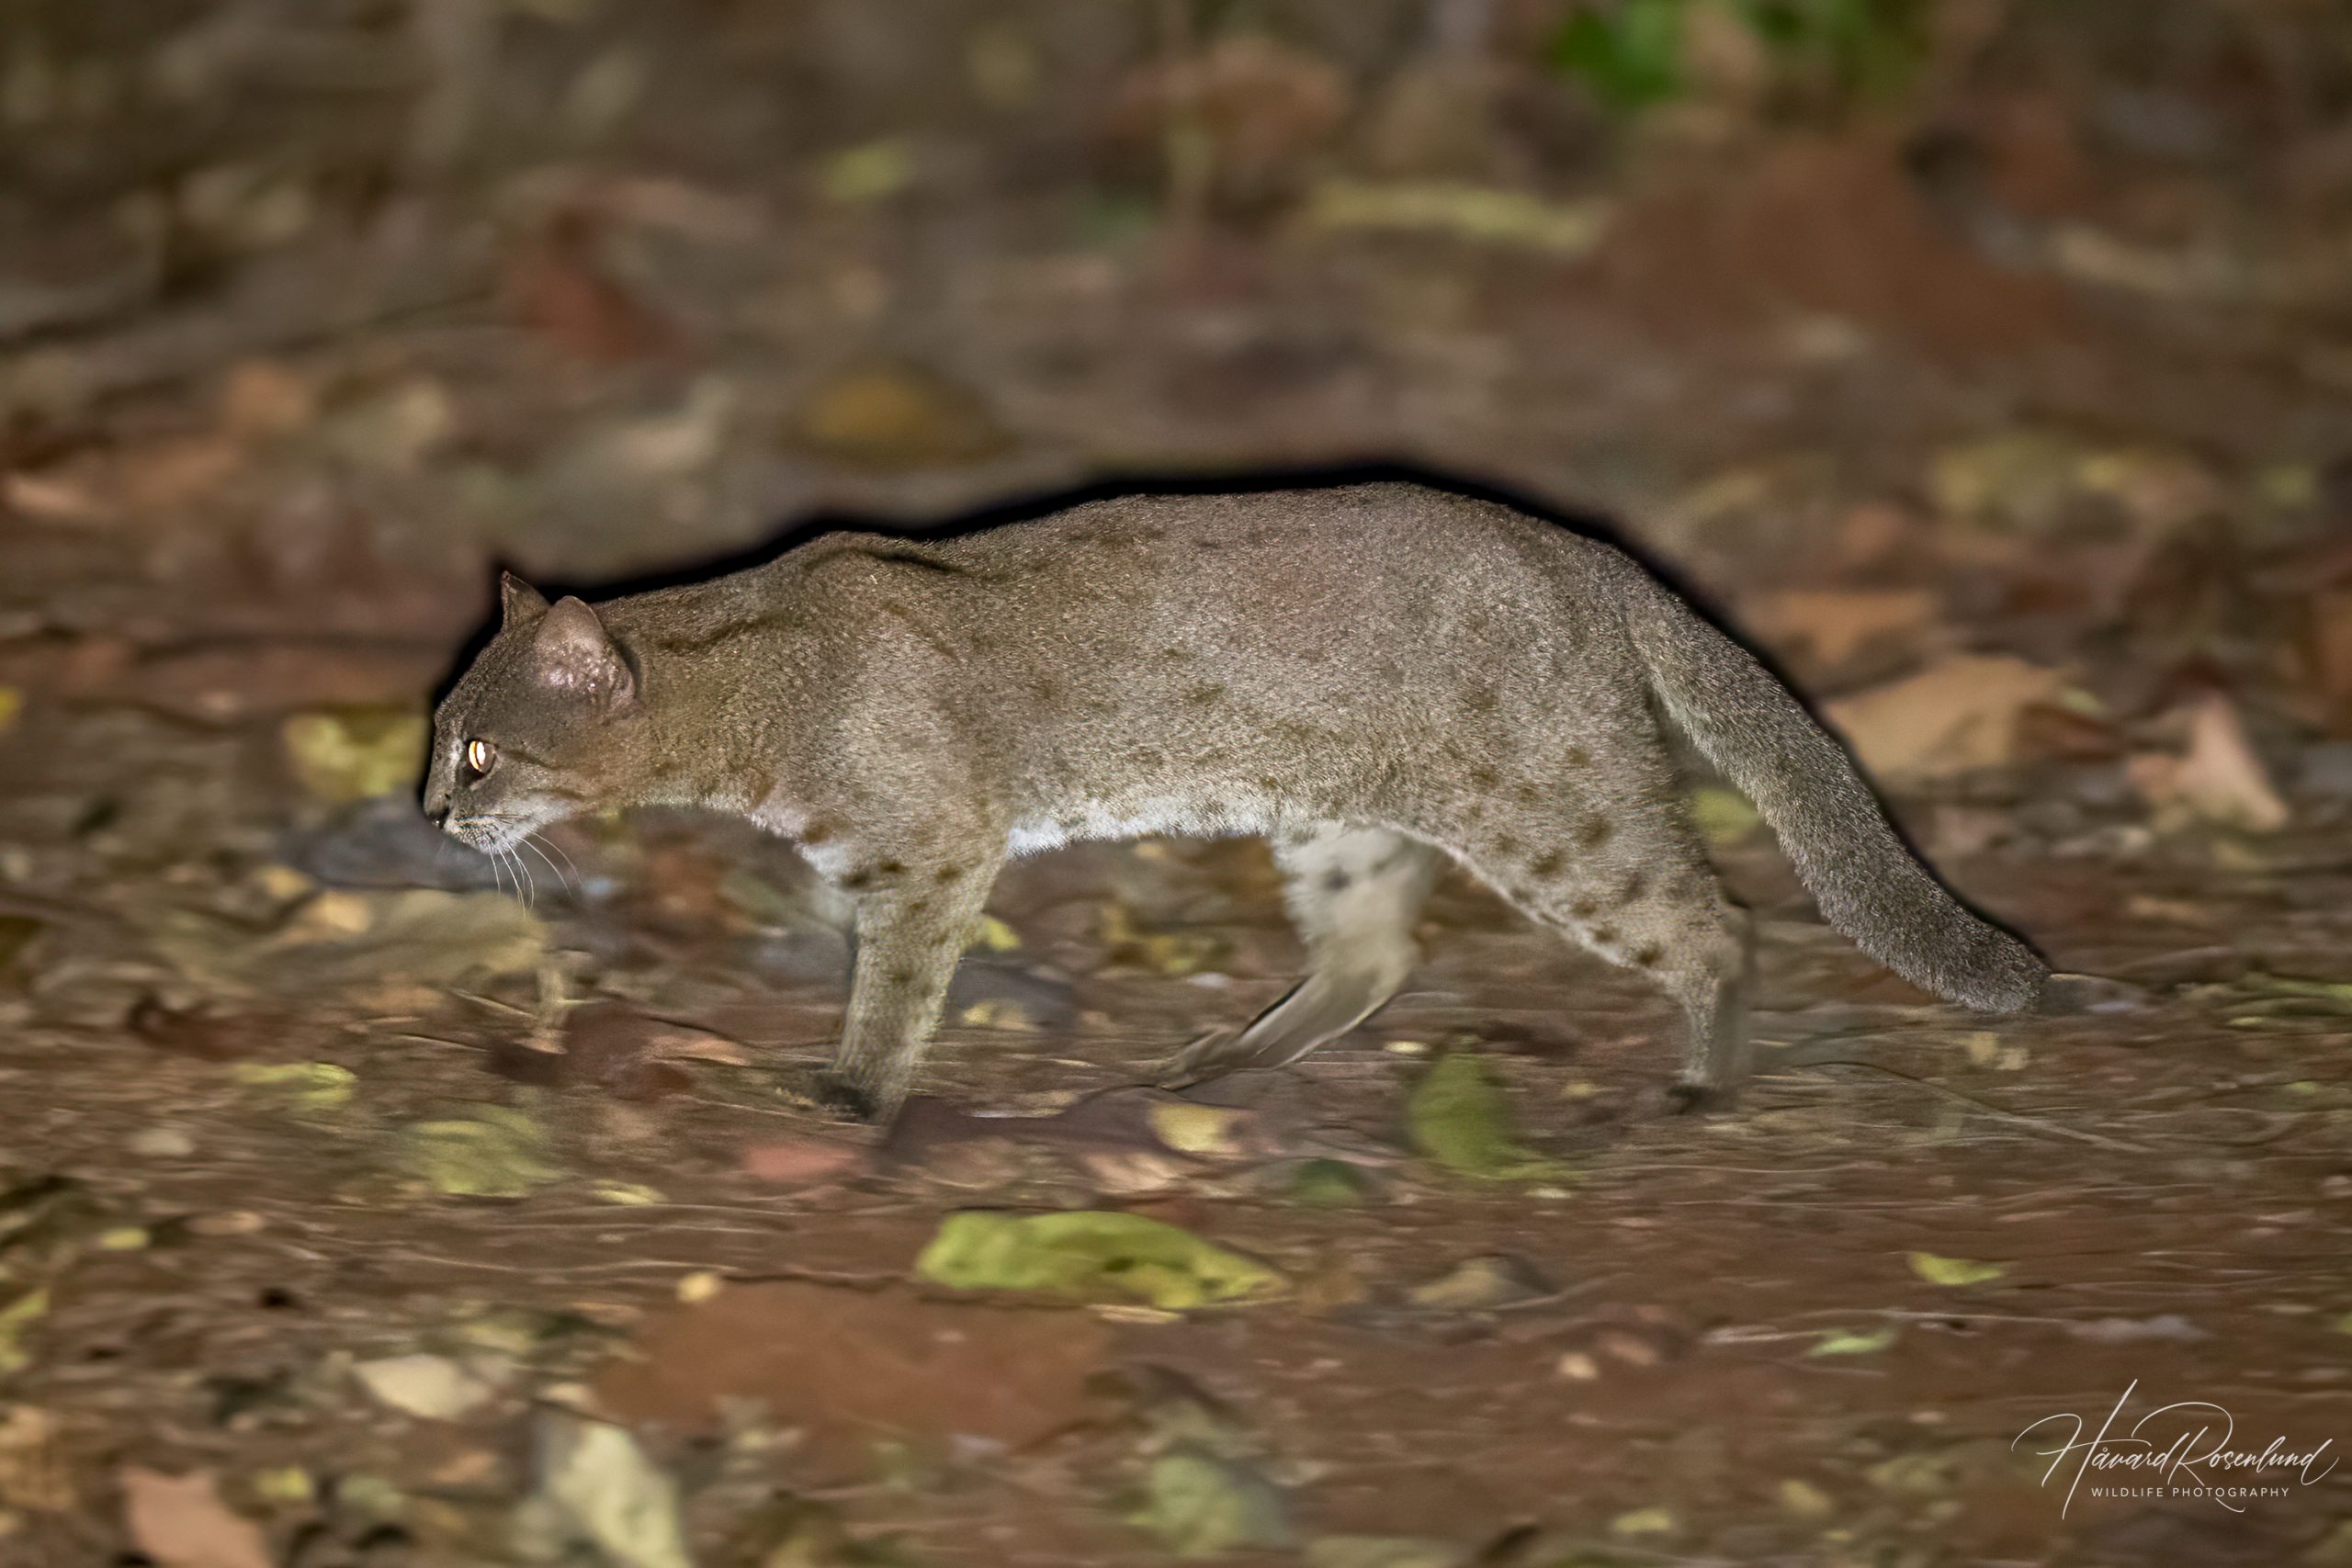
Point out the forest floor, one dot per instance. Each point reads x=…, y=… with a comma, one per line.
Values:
x=358, y=1208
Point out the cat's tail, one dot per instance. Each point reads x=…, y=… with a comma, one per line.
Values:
x=1866, y=881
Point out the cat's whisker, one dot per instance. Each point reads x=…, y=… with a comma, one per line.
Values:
x=553, y=869
x=577, y=880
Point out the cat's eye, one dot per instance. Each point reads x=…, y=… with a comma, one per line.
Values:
x=481, y=757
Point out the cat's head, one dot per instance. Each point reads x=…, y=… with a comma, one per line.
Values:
x=542, y=726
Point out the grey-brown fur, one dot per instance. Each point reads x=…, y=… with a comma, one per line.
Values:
x=1373, y=677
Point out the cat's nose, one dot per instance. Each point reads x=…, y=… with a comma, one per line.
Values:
x=436, y=811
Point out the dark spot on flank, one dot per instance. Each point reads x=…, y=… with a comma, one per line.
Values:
x=1584, y=909
x=1337, y=881
x=1528, y=794
x=1484, y=777
x=902, y=976
x=1595, y=832
x=1204, y=693
x=1646, y=957
x=856, y=881
x=1548, y=863
x=1481, y=699
x=1176, y=653
x=916, y=905
x=1603, y=936
x=890, y=868
x=815, y=832
x=1636, y=883
x=947, y=874
x=1579, y=757
x=1266, y=782
x=1046, y=687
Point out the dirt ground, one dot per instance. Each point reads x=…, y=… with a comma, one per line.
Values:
x=363, y=1203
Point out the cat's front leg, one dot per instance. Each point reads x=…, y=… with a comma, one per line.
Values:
x=914, y=920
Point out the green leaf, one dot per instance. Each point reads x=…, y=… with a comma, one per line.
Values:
x=498, y=1152
x=352, y=753
x=1460, y=1117
x=1196, y=1505
x=1630, y=57
x=1093, y=1255
x=1854, y=1342
x=1328, y=1184
x=1938, y=1270
x=1723, y=815
x=306, y=1085
x=14, y=1319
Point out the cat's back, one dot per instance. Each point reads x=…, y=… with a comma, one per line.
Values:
x=1396, y=535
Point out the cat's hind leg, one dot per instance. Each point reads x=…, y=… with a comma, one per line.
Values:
x=1624, y=875
x=1354, y=893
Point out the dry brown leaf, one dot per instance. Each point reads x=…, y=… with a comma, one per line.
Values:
x=1958, y=714
x=2219, y=780
x=1836, y=624
x=181, y=1522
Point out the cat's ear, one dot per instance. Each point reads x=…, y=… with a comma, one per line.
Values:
x=518, y=602
x=574, y=653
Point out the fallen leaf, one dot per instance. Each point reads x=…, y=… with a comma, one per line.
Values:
x=1724, y=816
x=1645, y=1521
x=1854, y=1342
x=1835, y=624
x=353, y=754
x=307, y=1087
x=1091, y=1254
x=1478, y=214
x=1940, y=1270
x=2020, y=479
x=337, y=940
x=2220, y=779
x=1383, y=1552
x=1459, y=1116
x=869, y=172
x=898, y=415
x=15, y=1318
x=1194, y=1129
x=1803, y=1499
x=596, y=1488
x=1173, y=953
x=1328, y=1184
x=181, y=1522
x=627, y=1194
x=496, y=1151
x=33, y=1474
x=1958, y=714
x=434, y=1387
x=1481, y=1284
x=996, y=936
x=560, y=289
x=1199, y=1504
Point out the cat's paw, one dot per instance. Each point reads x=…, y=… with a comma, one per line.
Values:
x=1684, y=1097
x=846, y=1102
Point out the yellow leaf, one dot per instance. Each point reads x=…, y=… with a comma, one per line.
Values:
x=1644, y=1521
x=1938, y=1270
x=996, y=936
